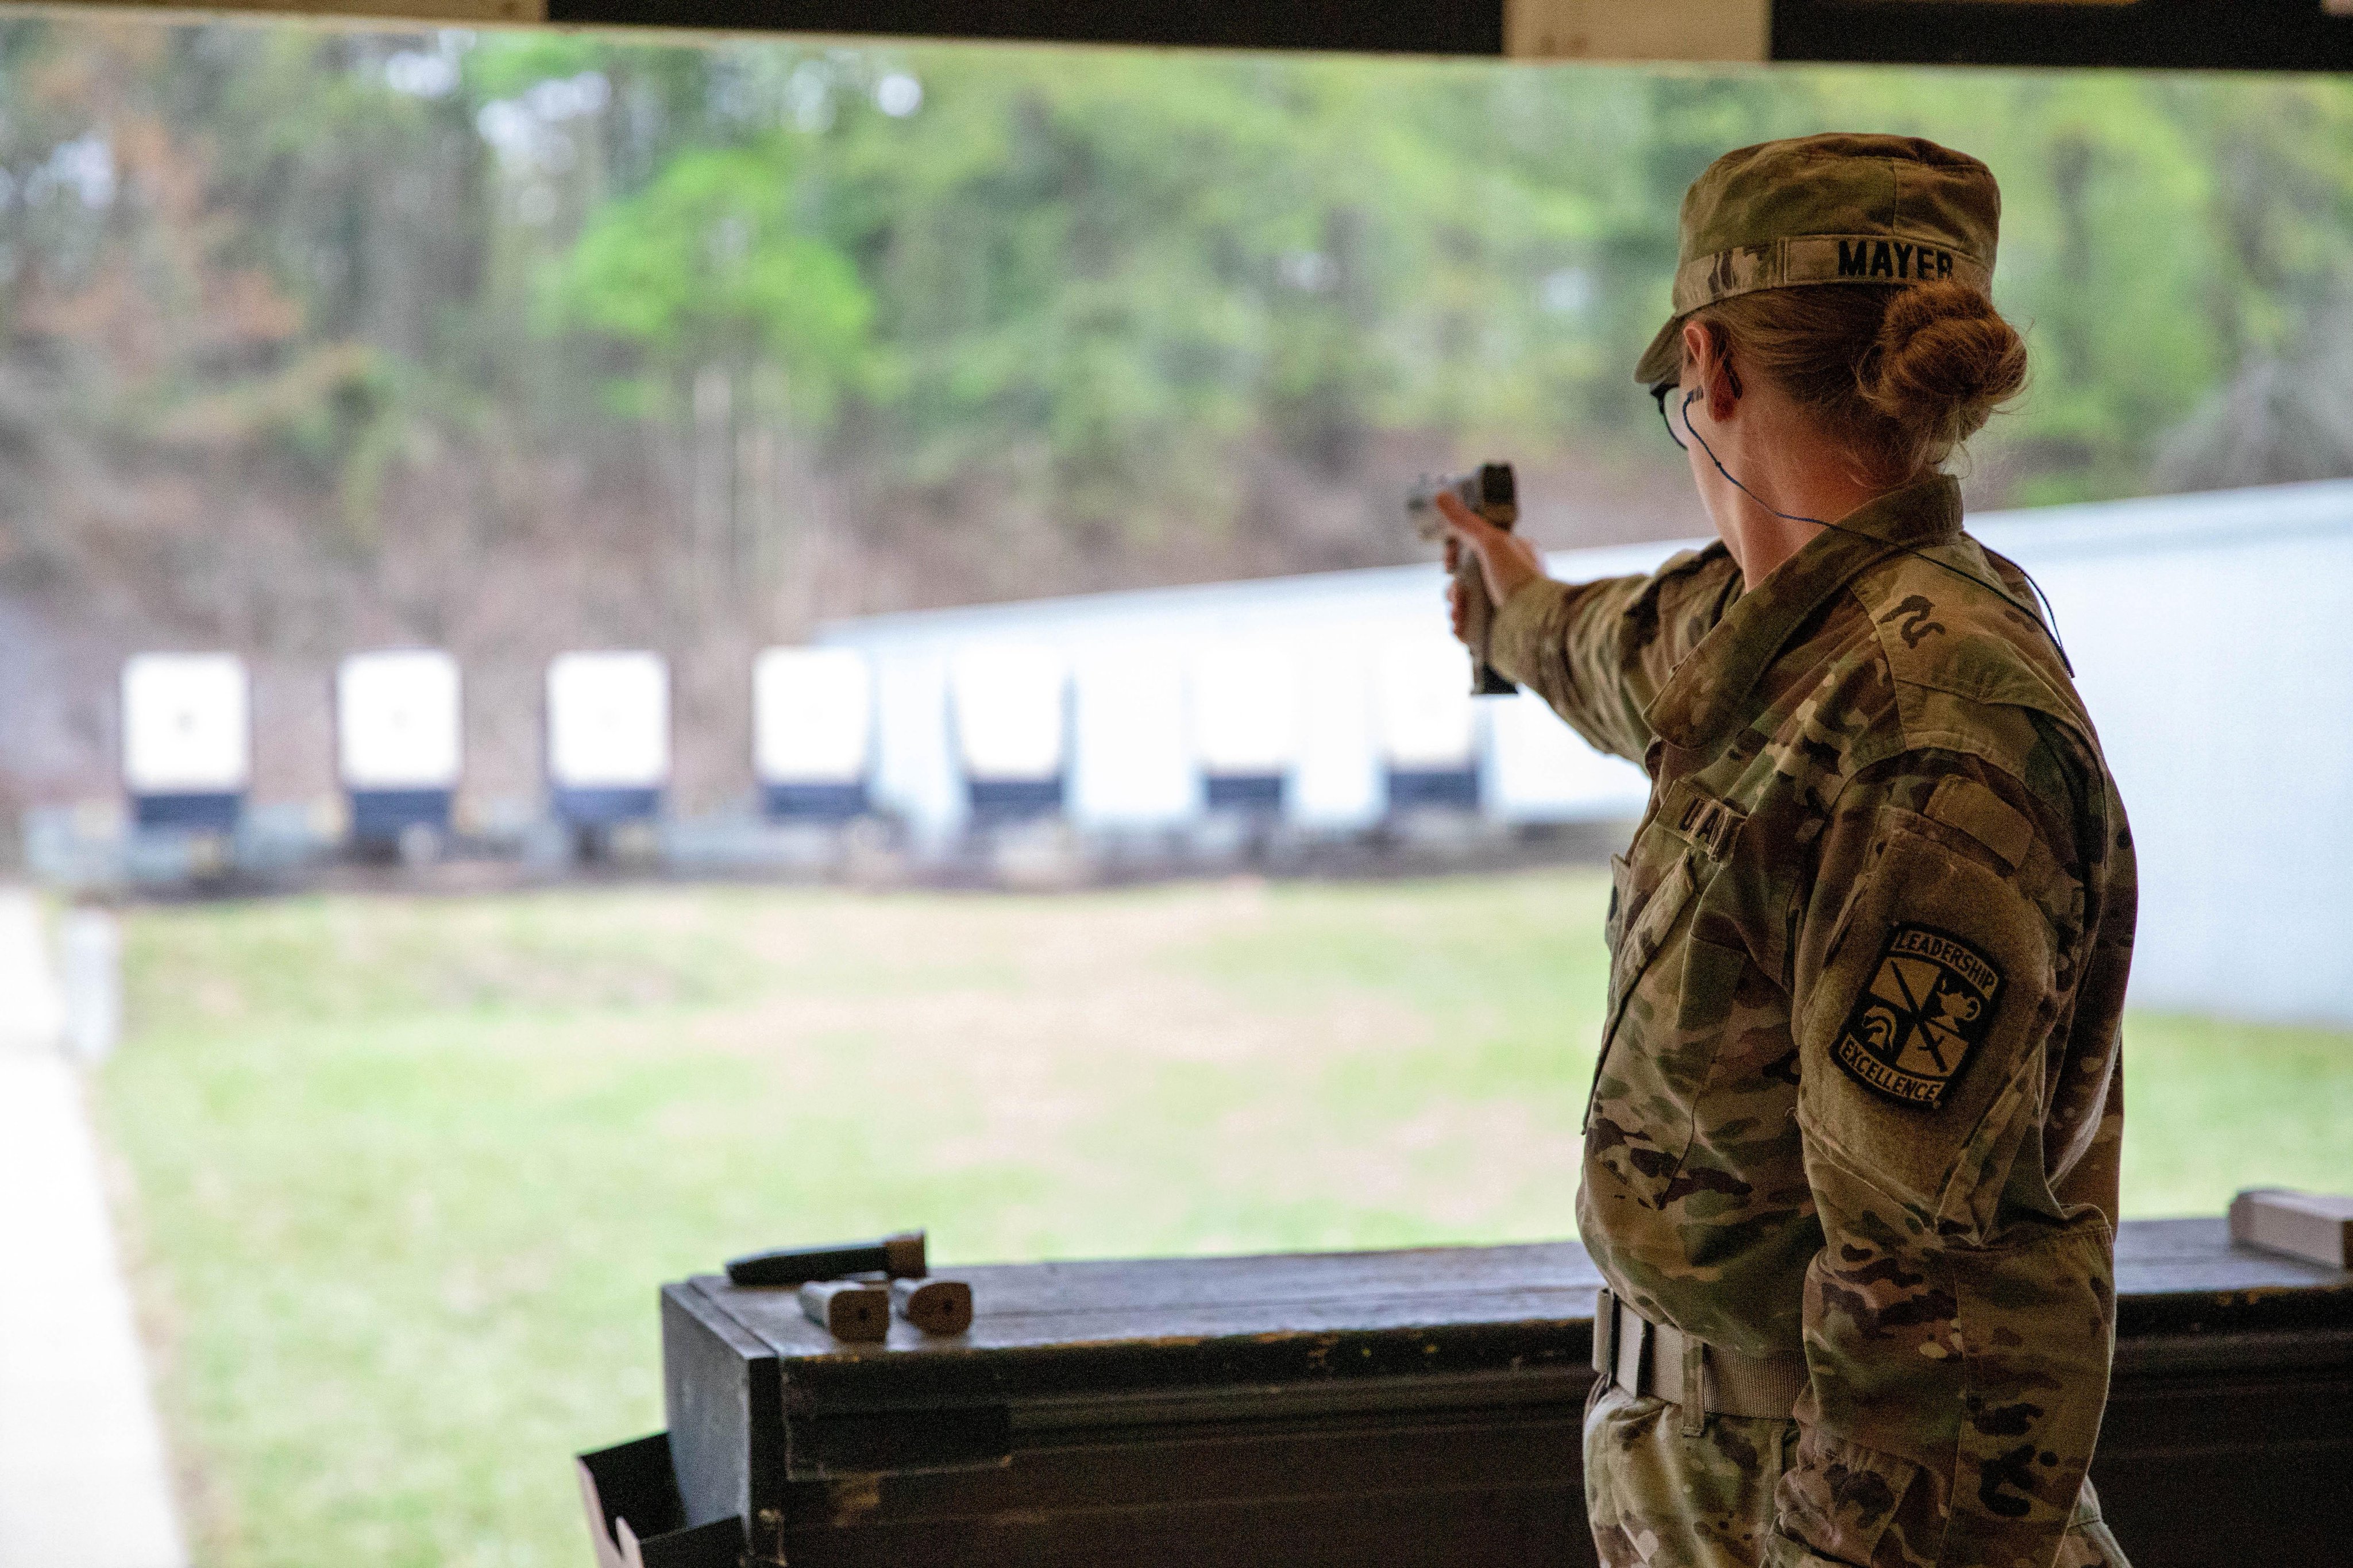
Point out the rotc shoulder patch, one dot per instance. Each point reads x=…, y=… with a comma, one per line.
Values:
x=1929, y=1004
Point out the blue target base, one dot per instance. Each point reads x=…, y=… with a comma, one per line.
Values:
x=194, y=812
x=1449, y=789
x=605, y=807
x=813, y=801
x=995, y=801
x=382, y=815
x=1255, y=793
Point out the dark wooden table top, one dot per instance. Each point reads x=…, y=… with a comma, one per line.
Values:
x=1170, y=1323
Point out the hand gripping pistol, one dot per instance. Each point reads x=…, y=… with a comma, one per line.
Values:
x=1490, y=491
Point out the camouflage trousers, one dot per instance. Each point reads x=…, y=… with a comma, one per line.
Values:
x=1658, y=1498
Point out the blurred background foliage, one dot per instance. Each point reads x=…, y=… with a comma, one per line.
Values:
x=1089, y=275
x=311, y=337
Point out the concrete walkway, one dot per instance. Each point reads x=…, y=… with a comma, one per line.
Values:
x=84, y=1481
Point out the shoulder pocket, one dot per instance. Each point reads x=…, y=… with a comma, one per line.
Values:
x=1969, y=807
x=1924, y=1023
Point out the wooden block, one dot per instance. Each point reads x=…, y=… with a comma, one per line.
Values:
x=853, y=1310
x=2314, y=1227
x=935, y=1306
x=1638, y=29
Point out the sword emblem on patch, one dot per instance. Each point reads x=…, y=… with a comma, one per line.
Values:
x=1930, y=1003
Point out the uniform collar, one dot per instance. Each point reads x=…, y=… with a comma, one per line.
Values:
x=1709, y=687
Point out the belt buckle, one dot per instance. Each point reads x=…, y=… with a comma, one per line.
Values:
x=1605, y=1335
x=1633, y=1354
x=1696, y=1404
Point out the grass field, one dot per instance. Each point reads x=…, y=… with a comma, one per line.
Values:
x=402, y=1175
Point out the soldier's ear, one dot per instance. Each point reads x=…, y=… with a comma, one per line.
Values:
x=1702, y=346
x=1723, y=385
x=1707, y=349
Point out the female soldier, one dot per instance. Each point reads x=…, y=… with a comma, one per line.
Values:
x=1850, y=1155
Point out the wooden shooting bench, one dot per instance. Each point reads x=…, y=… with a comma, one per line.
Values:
x=1391, y=1407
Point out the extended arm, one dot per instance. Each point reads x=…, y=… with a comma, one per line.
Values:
x=1598, y=652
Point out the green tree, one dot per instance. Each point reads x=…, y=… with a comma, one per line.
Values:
x=710, y=266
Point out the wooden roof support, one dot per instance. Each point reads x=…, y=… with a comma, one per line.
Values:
x=2235, y=35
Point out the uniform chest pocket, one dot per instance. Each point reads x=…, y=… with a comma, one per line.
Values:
x=1671, y=996
x=1639, y=927
x=1621, y=893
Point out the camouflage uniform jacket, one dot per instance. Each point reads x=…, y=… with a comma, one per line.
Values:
x=1858, y=1088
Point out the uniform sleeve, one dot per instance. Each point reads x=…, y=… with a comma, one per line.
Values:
x=1598, y=652
x=1958, y=1319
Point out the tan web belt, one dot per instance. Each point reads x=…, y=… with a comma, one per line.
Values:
x=1647, y=1358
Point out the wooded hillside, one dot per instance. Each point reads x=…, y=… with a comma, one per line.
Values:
x=316, y=339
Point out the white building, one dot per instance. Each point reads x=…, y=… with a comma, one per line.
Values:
x=2209, y=635
x=1331, y=686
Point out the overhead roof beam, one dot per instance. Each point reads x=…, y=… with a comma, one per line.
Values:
x=2229, y=35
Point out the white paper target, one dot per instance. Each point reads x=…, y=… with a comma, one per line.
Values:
x=812, y=715
x=1129, y=765
x=608, y=720
x=1423, y=693
x=1245, y=709
x=397, y=721
x=186, y=724
x=1010, y=711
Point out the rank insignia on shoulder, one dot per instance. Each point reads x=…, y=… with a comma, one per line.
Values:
x=1929, y=1004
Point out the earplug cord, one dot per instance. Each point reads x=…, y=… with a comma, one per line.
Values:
x=2048, y=621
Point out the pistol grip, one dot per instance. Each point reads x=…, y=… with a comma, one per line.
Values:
x=1478, y=625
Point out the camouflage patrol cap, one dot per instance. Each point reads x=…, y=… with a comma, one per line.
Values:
x=1827, y=209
